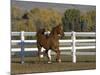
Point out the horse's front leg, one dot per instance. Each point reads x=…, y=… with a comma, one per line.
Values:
x=42, y=52
x=58, y=56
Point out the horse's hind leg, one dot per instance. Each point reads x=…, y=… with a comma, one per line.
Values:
x=49, y=56
x=39, y=51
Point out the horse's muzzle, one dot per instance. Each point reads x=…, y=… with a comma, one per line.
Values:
x=62, y=35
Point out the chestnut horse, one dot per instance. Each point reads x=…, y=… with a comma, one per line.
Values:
x=50, y=42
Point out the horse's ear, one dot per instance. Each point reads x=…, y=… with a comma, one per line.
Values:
x=59, y=25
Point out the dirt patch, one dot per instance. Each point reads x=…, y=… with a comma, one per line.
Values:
x=32, y=65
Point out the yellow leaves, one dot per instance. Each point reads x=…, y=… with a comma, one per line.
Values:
x=16, y=12
x=91, y=20
x=44, y=17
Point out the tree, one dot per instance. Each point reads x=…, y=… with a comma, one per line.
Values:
x=71, y=20
x=83, y=22
x=88, y=21
x=16, y=15
x=91, y=20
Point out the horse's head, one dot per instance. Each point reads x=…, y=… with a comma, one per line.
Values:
x=59, y=30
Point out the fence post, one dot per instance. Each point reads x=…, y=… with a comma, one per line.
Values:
x=73, y=47
x=22, y=47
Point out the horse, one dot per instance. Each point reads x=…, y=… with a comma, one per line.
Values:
x=50, y=42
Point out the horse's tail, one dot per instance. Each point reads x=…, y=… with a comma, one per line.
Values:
x=40, y=31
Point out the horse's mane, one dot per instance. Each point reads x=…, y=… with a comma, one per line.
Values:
x=41, y=32
x=54, y=29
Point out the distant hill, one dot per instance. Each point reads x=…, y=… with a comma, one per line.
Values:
x=26, y=6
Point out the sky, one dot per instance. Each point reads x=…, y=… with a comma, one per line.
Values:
x=28, y=5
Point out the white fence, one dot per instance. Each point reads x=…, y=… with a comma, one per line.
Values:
x=73, y=42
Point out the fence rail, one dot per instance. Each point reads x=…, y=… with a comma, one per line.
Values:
x=73, y=41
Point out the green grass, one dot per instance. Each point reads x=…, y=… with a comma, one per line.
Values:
x=63, y=57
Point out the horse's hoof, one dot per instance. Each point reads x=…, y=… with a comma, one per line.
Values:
x=41, y=56
x=59, y=60
x=49, y=62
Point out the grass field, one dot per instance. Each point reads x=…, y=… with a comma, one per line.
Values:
x=32, y=65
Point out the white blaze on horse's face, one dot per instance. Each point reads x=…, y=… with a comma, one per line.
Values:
x=42, y=50
x=61, y=31
x=59, y=35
